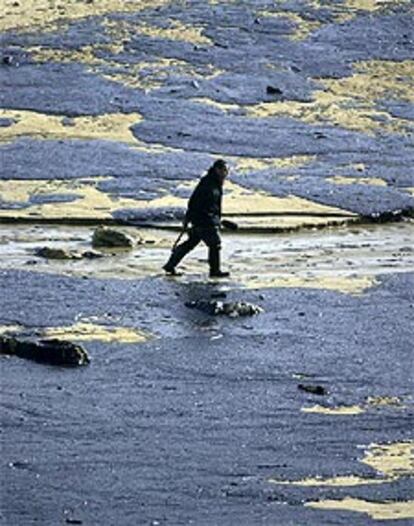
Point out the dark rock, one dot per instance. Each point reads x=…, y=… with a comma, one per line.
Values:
x=53, y=351
x=313, y=389
x=388, y=216
x=108, y=237
x=8, y=60
x=56, y=253
x=272, y=90
x=92, y=254
x=231, y=309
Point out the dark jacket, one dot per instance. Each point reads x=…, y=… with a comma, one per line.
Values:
x=204, y=206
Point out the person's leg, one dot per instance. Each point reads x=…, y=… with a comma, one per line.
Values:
x=212, y=239
x=181, y=251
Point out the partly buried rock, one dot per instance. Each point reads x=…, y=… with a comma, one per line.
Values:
x=62, y=254
x=232, y=309
x=53, y=351
x=56, y=253
x=313, y=389
x=92, y=254
x=110, y=238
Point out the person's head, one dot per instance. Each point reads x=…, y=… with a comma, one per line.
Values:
x=220, y=170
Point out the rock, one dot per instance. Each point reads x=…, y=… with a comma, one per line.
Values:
x=313, y=389
x=8, y=60
x=231, y=309
x=272, y=90
x=92, y=254
x=108, y=237
x=56, y=253
x=53, y=351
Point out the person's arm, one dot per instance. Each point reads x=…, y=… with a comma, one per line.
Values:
x=200, y=205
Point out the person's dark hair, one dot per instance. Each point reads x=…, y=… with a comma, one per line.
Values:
x=220, y=163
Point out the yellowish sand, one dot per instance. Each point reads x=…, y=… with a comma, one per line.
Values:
x=389, y=510
x=348, y=9
x=106, y=127
x=354, y=285
x=379, y=401
x=112, y=127
x=341, y=410
x=372, y=401
x=344, y=481
x=41, y=13
x=390, y=461
x=90, y=331
x=374, y=181
x=350, y=102
x=252, y=164
x=175, y=31
x=303, y=27
x=241, y=200
x=93, y=202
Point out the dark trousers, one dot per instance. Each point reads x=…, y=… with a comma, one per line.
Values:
x=210, y=236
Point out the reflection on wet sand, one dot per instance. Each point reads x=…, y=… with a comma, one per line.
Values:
x=342, y=259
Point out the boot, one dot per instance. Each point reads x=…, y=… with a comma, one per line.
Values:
x=173, y=261
x=178, y=254
x=170, y=270
x=214, y=262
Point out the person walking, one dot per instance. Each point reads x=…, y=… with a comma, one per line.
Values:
x=204, y=215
